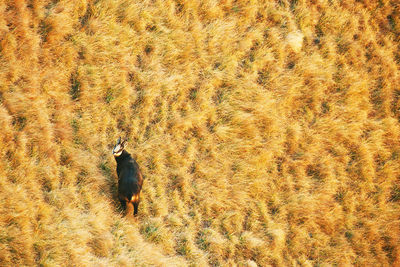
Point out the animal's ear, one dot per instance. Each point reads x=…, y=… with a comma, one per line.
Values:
x=124, y=143
x=119, y=140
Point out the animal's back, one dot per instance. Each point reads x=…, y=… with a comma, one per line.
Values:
x=129, y=179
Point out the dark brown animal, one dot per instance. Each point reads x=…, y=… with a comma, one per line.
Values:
x=130, y=178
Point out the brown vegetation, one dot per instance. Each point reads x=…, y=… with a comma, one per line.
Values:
x=268, y=132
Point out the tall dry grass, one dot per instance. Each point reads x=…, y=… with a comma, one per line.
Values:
x=268, y=132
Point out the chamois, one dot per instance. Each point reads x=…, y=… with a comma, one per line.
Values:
x=130, y=178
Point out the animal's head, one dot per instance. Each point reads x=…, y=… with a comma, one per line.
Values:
x=119, y=147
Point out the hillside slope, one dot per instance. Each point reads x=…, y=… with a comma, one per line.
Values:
x=268, y=133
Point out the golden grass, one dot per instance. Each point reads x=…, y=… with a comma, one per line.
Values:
x=268, y=132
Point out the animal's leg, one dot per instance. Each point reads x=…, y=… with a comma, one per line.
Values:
x=135, y=206
x=129, y=209
x=123, y=204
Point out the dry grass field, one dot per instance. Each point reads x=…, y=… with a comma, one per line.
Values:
x=268, y=132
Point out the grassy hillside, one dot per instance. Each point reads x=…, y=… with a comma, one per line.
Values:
x=268, y=132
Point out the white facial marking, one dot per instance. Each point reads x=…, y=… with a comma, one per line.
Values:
x=117, y=151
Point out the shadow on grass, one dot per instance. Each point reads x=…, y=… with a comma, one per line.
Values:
x=112, y=184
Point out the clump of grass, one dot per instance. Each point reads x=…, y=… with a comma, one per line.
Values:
x=152, y=231
x=395, y=194
x=44, y=28
x=75, y=86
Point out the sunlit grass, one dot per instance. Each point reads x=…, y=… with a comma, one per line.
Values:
x=268, y=133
